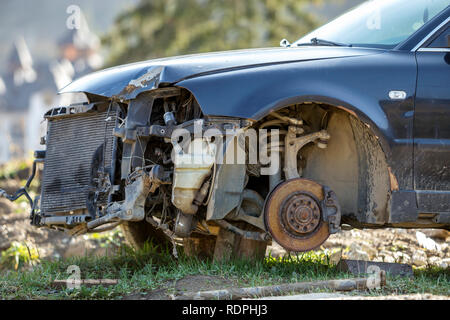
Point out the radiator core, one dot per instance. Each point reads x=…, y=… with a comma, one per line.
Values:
x=71, y=143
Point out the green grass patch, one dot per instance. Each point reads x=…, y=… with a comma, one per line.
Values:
x=143, y=271
x=432, y=280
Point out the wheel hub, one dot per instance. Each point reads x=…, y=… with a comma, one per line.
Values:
x=300, y=214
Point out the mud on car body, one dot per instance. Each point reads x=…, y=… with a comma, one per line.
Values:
x=361, y=108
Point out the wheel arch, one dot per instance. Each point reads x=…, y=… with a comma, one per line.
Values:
x=354, y=164
x=373, y=122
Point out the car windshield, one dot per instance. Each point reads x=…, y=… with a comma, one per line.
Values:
x=377, y=23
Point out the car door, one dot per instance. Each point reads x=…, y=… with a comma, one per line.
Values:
x=432, y=125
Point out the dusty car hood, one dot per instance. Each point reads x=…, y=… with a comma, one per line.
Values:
x=127, y=81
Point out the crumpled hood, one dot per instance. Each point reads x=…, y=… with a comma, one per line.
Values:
x=127, y=81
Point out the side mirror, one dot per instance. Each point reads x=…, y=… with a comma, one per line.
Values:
x=285, y=43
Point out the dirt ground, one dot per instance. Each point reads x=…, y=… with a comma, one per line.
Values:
x=15, y=226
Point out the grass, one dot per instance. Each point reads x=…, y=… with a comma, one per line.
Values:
x=18, y=255
x=145, y=270
x=432, y=280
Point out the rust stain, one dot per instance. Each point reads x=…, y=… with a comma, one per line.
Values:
x=348, y=110
x=393, y=180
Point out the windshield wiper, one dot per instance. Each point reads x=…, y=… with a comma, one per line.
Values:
x=322, y=42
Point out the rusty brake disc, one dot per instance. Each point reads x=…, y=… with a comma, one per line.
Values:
x=293, y=215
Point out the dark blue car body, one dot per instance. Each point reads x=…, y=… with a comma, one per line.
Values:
x=413, y=131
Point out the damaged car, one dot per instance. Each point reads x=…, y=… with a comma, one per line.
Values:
x=348, y=127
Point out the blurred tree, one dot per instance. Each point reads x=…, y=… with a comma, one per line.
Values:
x=159, y=28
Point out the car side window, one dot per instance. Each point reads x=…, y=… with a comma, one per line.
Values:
x=441, y=40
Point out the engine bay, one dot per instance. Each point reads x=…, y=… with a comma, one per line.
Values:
x=158, y=159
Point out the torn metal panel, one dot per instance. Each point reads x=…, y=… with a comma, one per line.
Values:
x=146, y=82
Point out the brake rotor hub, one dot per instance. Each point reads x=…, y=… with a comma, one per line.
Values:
x=294, y=217
x=300, y=214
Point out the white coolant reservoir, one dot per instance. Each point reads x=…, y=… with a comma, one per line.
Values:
x=191, y=170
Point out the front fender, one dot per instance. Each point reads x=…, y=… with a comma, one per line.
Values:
x=361, y=85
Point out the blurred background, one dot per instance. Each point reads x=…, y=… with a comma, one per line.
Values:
x=46, y=44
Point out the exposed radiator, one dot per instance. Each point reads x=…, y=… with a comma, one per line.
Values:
x=71, y=143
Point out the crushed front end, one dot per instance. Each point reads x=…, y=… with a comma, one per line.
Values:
x=157, y=159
